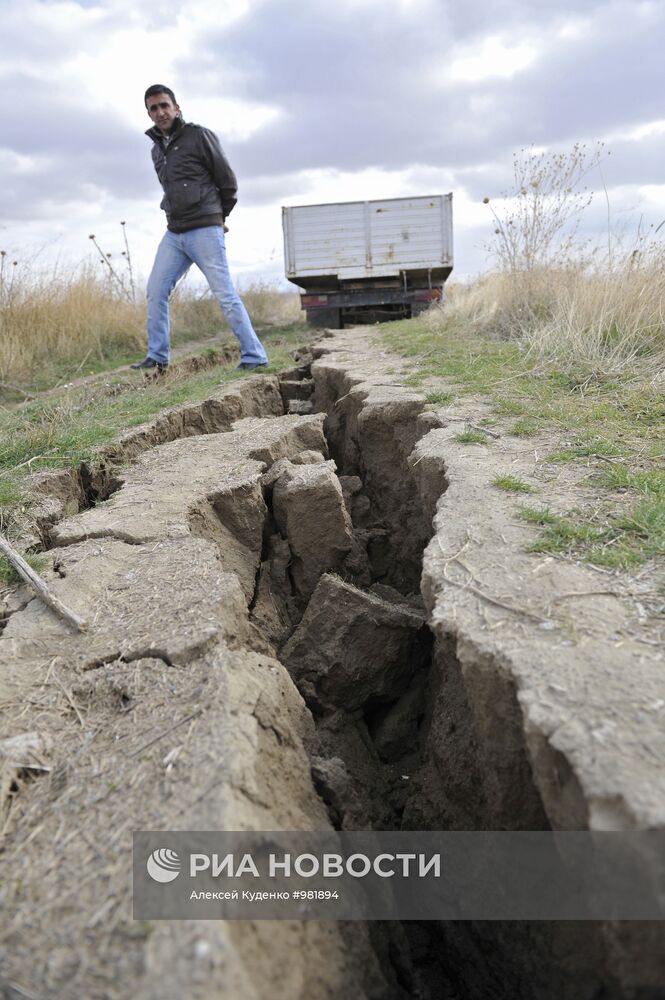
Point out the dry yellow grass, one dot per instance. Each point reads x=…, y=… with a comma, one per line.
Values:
x=65, y=321
x=268, y=306
x=562, y=299
x=62, y=319
x=599, y=318
x=606, y=319
x=198, y=315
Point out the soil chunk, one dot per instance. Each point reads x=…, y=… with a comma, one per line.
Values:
x=308, y=506
x=353, y=649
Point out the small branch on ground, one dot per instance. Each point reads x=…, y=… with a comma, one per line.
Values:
x=39, y=586
x=187, y=718
x=483, y=430
x=480, y=593
x=476, y=427
x=586, y=593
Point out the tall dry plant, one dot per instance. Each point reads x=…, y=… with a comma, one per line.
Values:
x=52, y=319
x=600, y=319
x=608, y=317
x=269, y=305
x=563, y=299
x=537, y=221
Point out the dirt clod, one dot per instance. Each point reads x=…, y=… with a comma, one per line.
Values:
x=354, y=649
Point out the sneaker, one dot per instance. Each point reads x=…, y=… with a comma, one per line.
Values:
x=150, y=363
x=248, y=366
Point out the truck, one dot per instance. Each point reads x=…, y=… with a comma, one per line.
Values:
x=367, y=261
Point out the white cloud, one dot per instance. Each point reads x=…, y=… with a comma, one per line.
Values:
x=575, y=29
x=653, y=195
x=493, y=57
x=237, y=120
x=645, y=131
x=12, y=163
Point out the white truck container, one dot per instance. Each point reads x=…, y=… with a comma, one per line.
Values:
x=360, y=261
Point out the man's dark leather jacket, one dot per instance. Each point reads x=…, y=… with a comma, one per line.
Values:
x=199, y=185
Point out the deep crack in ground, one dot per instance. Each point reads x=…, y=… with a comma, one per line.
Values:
x=248, y=537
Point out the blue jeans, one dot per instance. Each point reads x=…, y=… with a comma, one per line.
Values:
x=175, y=255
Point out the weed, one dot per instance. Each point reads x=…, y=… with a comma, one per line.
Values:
x=471, y=437
x=512, y=484
x=582, y=448
x=526, y=427
x=439, y=397
x=8, y=574
x=536, y=223
x=532, y=515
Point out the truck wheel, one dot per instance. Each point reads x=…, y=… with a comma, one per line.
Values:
x=325, y=317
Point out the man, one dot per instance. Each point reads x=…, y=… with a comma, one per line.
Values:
x=199, y=193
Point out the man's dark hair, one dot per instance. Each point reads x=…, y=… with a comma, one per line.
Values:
x=158, y=88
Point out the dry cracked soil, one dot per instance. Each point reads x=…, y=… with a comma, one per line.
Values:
x=308, y=610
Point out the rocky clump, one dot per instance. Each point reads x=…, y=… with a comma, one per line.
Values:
x=360, y=662
x=353, y=649
x=309, y=510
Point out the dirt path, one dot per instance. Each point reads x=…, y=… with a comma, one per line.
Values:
x=222, y=348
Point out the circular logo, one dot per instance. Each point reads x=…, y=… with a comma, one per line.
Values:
x=163, y=865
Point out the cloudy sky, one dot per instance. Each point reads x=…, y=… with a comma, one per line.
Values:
x=320, y=100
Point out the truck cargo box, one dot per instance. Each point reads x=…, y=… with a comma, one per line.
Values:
x=368, y=239
x=376, y=259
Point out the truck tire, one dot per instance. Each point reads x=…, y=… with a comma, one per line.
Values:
x=331, y=318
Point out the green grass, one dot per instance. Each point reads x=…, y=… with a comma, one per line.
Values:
x=471, y=437
x=10, y=494
x=623, y=541
x=439, y=397
x=621, y=477
x=565, y=536
x=9, y=575
x=511, y=484
x=525, y=427
x=586, y=448
x=625, y=407
x=111, y=356
x=59, y=372
x=70, y=427
x=509, y=407
x=613, y=426
x=532, y=515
